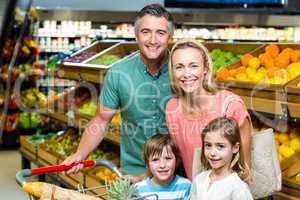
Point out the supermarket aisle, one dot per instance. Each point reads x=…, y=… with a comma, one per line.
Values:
x=10, y=163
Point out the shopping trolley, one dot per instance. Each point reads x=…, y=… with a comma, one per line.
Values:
x=22, y=174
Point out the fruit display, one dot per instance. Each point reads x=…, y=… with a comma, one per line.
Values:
x=29, y=120
x=11, y=122
x=33, y=98
x=67, y=144
x=62, y=145
x=273, y=66
x=297, y=177
x=221, y=58
x=105, y=174
x=287, y=143
x=105, y=60
x=88, y=109
x=80, y=57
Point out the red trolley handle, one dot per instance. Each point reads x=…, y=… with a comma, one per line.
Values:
x=60, y=168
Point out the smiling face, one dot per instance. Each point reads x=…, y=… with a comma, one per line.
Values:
x=153, y=35
x=219, y=151
x=163, y=167
x=188, y=69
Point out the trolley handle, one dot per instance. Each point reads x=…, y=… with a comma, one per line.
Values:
x=20, y=176
x=60, y=168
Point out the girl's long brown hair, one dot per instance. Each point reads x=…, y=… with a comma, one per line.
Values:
x=230, y=130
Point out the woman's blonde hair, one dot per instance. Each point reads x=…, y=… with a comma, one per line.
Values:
x=230, y=130
x=208, y=82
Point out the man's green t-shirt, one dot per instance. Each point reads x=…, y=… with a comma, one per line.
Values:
x=142, y=98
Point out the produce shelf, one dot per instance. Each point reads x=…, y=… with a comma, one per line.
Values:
x=81, y=122
x=46, y=159
x=265, y=105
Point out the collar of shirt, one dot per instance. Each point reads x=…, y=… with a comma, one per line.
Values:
x=163, y=69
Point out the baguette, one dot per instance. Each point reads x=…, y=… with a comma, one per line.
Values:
x=34, y=188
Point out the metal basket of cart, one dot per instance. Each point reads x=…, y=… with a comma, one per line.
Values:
x=112, y=188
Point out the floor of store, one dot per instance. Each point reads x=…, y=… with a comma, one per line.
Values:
x=10, y=163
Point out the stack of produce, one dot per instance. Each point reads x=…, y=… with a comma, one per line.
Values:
x=221, y=58
x=63, y=145
x=272, y=66
x=88, y=108
x=29, y=120
x=105, y=174
x=105, y=60
x=80, y=57
x=287, y=143
x=33, y=98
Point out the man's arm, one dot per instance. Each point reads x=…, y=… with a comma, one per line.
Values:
x=92, y=136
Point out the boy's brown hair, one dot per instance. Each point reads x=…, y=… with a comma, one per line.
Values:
x=155, y=146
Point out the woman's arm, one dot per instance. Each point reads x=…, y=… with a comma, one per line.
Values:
x=246, y=139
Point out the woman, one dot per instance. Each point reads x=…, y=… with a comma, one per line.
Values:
x=196, y=101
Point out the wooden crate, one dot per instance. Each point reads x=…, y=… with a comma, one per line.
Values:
x=92, y=181
x=236, y=48
x=293, y=97
x=292, y=170
x=293, y=91
x=69, y=180
x=258, y=90
x=285, y=164
x=123, y=50
x=291, y=191
x=292, y=183
x=28, y=146
x=284, y=196
x=50, y=158
x=95, y=47
x=92, y=73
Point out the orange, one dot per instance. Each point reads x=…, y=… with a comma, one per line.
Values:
x=295, y=56
x=270, y=64
x=271, y=72
x=272, y=50
x=282, y=60
x=245, y=59
x=288, y=52
x=232, y=72
x=254, y=63
x=223, y=74
x=240, y=69
x=264, y=58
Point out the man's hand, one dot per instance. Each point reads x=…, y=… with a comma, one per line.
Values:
x=74, y=158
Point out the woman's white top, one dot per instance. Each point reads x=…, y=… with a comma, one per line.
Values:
x=229, y=188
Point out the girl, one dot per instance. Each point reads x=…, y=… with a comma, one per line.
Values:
x=224, y=161
x=196, y=101
x=162, y=158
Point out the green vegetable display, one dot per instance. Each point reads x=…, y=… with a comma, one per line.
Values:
x=223, y=58
x=105, y=60
x=29, y=120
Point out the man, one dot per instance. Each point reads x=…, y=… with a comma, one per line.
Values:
x=139, y=87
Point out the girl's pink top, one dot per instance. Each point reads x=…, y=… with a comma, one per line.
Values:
x=186, y=131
